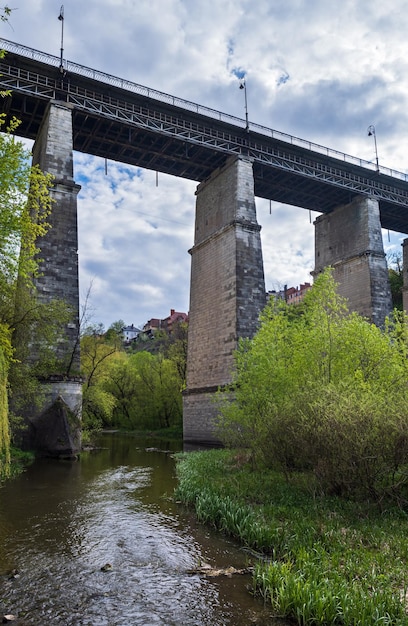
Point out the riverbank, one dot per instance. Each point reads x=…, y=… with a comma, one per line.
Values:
x=19, y=461
x=322, y=560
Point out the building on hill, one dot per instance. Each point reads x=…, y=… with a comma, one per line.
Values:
x=294, y=295
x=167, y=324
x=152, y=326
x=291, y=295
x=170, y=322
x=130, y=333
x=276, y=295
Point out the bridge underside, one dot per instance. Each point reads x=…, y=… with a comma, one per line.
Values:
x=285, y=177
x=132, y=124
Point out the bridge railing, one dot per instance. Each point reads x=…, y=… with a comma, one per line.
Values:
x=88, y=72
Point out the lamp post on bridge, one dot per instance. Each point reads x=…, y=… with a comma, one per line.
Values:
x=61, y=19
x=242, y=85
x=371, y=133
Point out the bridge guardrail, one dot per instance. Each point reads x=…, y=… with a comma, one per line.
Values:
x=122, y=83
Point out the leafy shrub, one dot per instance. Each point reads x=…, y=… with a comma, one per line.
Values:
x=323, y=390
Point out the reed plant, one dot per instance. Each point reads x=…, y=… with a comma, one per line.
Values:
x=321, y=560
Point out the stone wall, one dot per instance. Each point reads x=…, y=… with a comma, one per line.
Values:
x=350, y=240
x=54, y=429
x=227, y=290
x=53, y=152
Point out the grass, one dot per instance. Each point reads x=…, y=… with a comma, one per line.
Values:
x=322, y=560
x=18, y=462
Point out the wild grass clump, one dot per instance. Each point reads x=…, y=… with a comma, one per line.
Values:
x=322, y=560
x=310, y=589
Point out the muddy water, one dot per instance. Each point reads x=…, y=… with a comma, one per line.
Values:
x=60, y=523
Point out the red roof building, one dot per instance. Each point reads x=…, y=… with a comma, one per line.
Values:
x=294, y=295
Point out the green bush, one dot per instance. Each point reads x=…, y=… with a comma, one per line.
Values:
x=4, y=423
x=320, y=389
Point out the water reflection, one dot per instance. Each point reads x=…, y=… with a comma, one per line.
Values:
x=60, y=523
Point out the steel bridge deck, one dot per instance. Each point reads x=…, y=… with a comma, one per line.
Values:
x=132, y=124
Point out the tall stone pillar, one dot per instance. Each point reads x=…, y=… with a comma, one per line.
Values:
x=55, y=428
x=53, y=152
x=227, y=290
x=349, y=239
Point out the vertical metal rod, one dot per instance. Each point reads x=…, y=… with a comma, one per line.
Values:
x=61, y=19
x=244, y=87
x=371, y=133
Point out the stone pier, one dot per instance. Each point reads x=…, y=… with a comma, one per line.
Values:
x=227, y=290
x=350, y=240
x=54, y=429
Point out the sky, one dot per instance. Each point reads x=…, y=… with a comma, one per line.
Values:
x=320, y=70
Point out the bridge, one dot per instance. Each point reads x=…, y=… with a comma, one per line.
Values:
x=123, y=121
x=66, y=106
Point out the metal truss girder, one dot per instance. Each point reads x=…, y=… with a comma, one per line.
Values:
x=337, y=178
x=187, y=123
x=27, y=88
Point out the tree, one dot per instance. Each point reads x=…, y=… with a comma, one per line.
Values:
x=177, y=351
x=147, y=391
x=395, y=274
x=322, y=390
x=115, y=331
x=96, y=355
x=24, y=207
x=4, y=423
x=136, y=390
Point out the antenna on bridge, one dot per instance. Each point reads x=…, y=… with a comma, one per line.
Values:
x=61, y=19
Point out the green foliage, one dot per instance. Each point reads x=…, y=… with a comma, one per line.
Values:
x=96, y=355
x=114, y=331
x=395, y=275
x=4, y=424
x=5, y=13
x=25, y=205
x=330, y=561
x=24, y=208
x=322, y=390
x=133, y=390
x=176, y=351
x=310, y=594
x=146, y=388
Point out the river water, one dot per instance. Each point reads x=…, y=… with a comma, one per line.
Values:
x=61, y=522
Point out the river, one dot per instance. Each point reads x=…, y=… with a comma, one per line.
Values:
x=62, y=522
